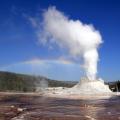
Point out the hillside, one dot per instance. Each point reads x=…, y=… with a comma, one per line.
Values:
x=21, y=82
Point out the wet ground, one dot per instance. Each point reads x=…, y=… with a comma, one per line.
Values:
x=36, y=107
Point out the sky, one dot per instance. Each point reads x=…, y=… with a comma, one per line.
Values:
x=21, y=52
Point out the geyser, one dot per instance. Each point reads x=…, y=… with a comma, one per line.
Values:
x=81, y=40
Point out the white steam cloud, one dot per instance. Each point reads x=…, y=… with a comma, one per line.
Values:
x=81, y=40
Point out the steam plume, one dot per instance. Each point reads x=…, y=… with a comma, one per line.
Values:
x=80, y=39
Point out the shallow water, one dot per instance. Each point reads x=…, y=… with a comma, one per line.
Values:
x=34, y=107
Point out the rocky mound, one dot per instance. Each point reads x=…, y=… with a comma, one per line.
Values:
x=87, y=86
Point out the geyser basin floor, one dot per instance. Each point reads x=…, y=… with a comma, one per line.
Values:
x=32, y=106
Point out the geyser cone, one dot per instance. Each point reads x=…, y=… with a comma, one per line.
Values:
x=86, y=86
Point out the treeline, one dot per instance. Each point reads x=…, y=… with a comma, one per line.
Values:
x=114, y=86
x=15, y=82
x=27, y=83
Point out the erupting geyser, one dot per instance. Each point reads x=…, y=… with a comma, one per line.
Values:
x=81, y=40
